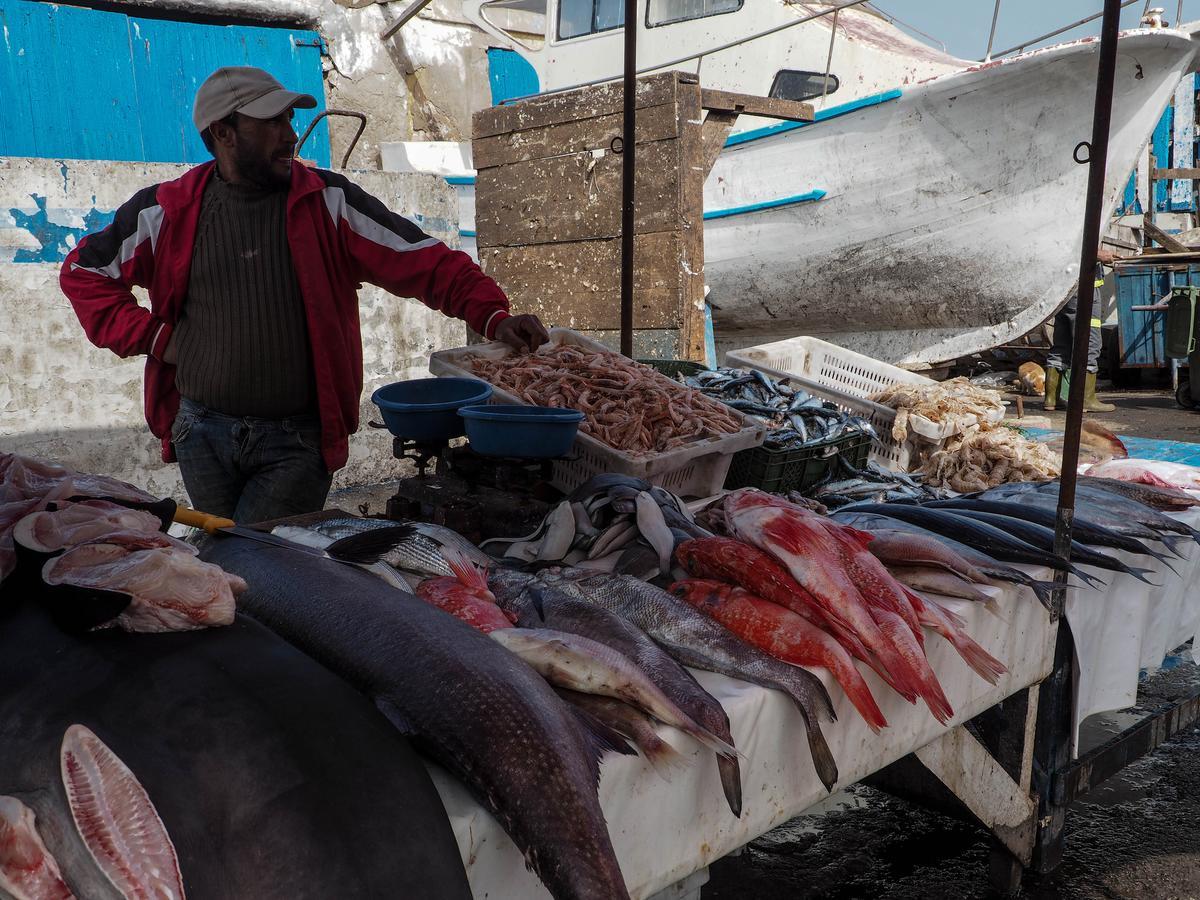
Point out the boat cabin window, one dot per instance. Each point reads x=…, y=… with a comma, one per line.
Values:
x=664, y=12
x=579, y=17
x=789, y=84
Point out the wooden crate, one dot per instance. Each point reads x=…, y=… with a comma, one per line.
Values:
x=548, y=205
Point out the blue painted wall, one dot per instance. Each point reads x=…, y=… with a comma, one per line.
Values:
x=510, y=75
x=1161, y=143
x=83, y=84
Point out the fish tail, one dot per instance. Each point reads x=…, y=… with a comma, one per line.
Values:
x=1140, y=574
x=1086, y=577
x=822, y=756
x=907, y=648
x=860, y=695
x=664, y=759
x=981, y=662
x=731, y=783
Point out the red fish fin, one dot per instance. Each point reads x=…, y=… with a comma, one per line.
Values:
x=862, y=538
x=981, y=662
x=860, y=695
x=466, y=571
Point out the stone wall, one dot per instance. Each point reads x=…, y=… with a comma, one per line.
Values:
x=62, y=398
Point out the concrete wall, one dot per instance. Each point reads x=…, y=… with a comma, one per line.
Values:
x=62, y=398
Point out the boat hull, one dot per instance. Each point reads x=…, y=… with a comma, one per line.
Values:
x=952, y=216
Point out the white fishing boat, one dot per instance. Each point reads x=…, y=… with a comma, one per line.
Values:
x=933, y=209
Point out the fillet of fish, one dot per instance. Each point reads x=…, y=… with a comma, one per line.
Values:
x=28, y=871
x=116, y=820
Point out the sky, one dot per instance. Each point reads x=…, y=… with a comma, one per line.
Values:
x=963, y=25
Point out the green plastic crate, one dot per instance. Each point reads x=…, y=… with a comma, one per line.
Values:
x=780, y=471
x=673, y=367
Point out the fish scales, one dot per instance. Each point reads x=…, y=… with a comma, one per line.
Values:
x=470, y=704
x=697, y=641
x=534, y=603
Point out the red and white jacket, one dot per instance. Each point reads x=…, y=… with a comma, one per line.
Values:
x=340, y=236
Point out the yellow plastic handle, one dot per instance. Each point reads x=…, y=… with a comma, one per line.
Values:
x=197, y=519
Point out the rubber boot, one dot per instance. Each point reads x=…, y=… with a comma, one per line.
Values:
x=1053, y=383
x=1090, y=401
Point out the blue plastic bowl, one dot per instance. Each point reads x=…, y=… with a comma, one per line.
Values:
x=529, y=432
x=426, y=409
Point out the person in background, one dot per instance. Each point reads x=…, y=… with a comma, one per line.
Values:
x=1059, y=360
x=253, y=263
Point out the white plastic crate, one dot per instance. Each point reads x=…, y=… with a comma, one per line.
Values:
x=695, y=470
x=847, y=378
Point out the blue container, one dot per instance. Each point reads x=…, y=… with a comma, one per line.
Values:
x=426, y=409
x=528, y=432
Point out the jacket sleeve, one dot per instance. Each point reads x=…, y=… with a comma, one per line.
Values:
x=97, y=277
x=393, y=253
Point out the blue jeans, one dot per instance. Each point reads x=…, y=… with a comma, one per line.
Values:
x=249, y=469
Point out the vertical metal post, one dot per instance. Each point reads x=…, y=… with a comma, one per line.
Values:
x=829, y=57
x=1097, y=161
x=992, y=34
x=628, y=145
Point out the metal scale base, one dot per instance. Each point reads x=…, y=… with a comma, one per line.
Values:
x=480, y=497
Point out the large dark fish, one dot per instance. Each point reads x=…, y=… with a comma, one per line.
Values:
x=1095, y=512
x=1089, y=498
x=1168, y=499
x=465, y=700
x=272, y=776
x=990, y=567
x=537, y=604
x=1082, y=530
x=989, y=539
x=697, y=641
x=1042, y=537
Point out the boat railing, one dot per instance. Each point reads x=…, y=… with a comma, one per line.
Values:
x=415, y=6
x=1018, y=48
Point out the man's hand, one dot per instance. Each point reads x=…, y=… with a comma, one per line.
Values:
x=1106, y=257
x=170, y=352
x=521, y=332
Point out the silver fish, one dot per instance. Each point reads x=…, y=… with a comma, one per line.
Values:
x=697, y=641
x=473, y=707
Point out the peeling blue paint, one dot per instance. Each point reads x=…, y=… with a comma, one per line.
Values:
x=56, y=240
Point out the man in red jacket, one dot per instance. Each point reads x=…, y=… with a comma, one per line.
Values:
x=253, y=264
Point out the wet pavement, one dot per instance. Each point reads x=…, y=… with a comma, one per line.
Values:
x=1149, y=411
x=1137, y=836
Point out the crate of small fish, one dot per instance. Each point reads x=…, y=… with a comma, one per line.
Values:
x=912, y=415
x=637, y=421
x=806, y=434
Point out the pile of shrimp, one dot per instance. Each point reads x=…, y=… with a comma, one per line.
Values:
x=627, y=405
x=956, y=401
x=985, y=457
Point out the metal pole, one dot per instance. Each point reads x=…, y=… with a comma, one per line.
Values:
x=628, y=145
x=1179, y=14
x=1097, y=160
x=829, y=58
x=992, y=34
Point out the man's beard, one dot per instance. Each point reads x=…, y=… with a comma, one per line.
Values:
x=259, y=171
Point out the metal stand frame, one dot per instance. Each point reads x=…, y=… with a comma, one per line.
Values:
x=1010, y=769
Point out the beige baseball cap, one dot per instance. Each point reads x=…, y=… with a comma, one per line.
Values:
x=246, y=90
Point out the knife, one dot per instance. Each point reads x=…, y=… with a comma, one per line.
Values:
x=218, y=525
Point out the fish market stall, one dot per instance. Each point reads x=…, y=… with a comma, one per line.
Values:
x=821, y=647
x=663, y=831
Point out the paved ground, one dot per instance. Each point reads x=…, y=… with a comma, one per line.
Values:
x=1149, y=411
x=1136, y=837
